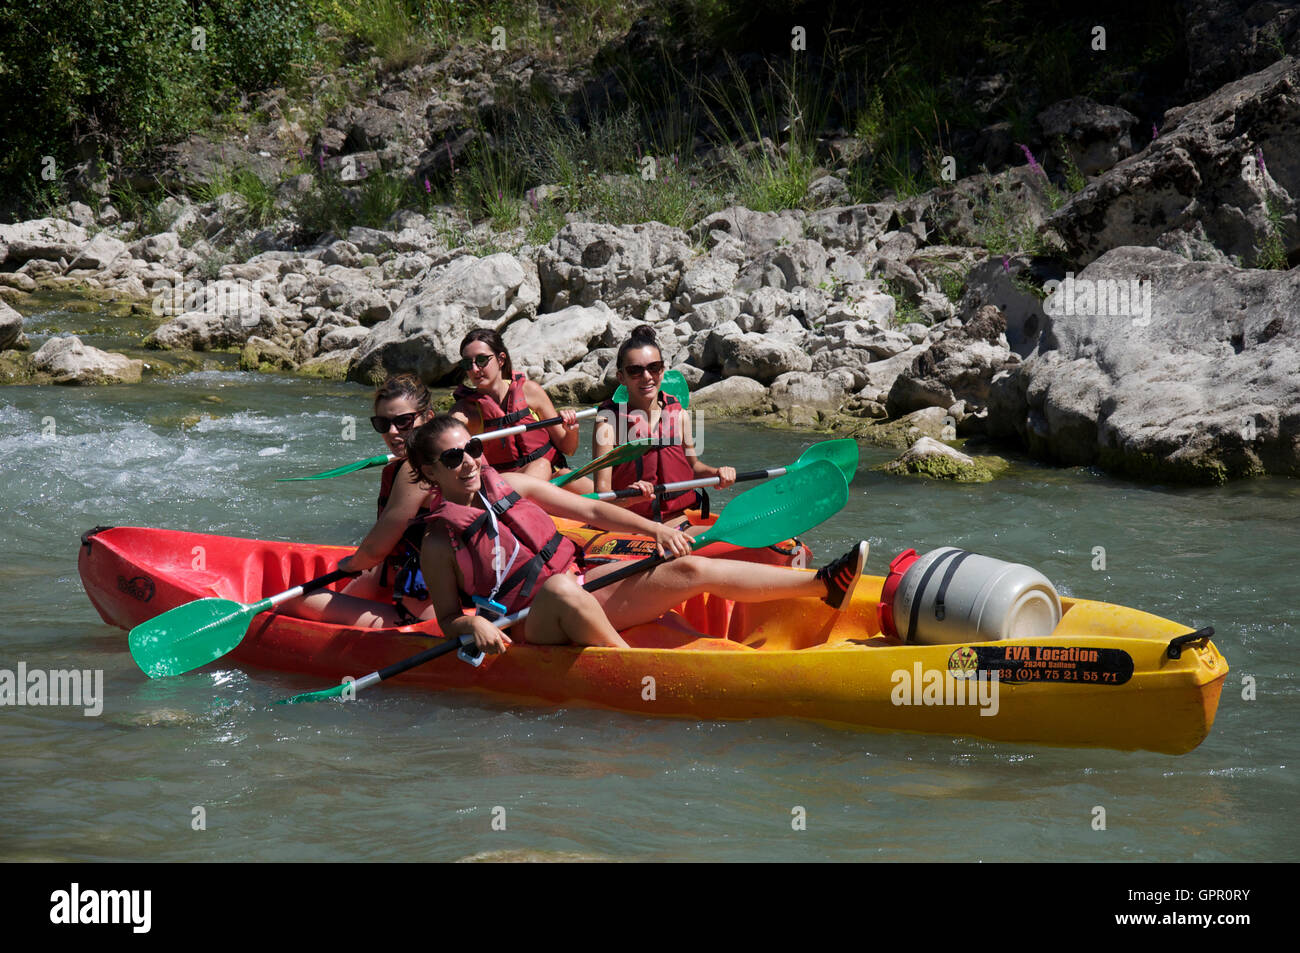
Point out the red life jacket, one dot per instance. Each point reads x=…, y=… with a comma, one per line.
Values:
x=666, y=463
x=521, y=449
x=408, y=547
x=542, y=551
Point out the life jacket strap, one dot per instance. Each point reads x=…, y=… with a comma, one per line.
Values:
x=529, y=571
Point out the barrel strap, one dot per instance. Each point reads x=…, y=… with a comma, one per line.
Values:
x=939, y=611
x=916, y=598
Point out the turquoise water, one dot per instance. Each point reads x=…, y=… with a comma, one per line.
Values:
x=403, y=774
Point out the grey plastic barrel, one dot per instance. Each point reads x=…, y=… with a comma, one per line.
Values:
x=950, y=595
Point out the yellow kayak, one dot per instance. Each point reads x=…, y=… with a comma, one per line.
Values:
x=1107, y=676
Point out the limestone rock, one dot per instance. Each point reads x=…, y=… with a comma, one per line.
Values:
x=68, y=361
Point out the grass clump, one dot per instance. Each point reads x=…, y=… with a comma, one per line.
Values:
x=1272, y=249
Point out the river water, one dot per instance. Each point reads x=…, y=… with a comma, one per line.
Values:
x=403, y=774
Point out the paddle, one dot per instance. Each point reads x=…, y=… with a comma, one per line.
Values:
x=379, y=460
x=767, y=514
x=183, y=638
x=624, y=453
x=842, y=453
x=674, y=383
x=384, y=458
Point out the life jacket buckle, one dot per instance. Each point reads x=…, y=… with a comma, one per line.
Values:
x=490, y=609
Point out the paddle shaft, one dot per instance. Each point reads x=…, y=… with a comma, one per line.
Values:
x=320, y=582
x=511, y=431
x=630, y=491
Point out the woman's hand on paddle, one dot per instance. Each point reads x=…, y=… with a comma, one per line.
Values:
x=487, y=637
x=645, y=486
x=570, y=418
x=726, y=477
x=671, y=542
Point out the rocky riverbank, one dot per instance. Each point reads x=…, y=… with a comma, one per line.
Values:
x=1138, y=337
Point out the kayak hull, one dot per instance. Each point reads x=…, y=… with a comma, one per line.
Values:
x=1103, y=678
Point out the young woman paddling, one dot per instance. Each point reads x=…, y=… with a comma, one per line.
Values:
x=390, y=590
x=489, y=537
x=496, y=397
x=650, y=412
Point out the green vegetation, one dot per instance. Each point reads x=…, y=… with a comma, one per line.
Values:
x=1074, y=179
x=259, y=198
x=1001, y=227
x=1272, y=250
x=117, y=78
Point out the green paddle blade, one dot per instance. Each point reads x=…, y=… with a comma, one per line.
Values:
x=624, y=453
x=378, y=460
x=781, y=508
x=842, y=453
x=320, y=696
x=675, y=383
x=191, y=635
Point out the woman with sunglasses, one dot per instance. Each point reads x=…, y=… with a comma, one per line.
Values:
x=389, y=556
x=650, y=412
x=497, y=397
x=491, y=543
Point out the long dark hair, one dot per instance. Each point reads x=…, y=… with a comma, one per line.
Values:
x=419, y=443
x=404, y=385
x=493, y=340
x=642, y=336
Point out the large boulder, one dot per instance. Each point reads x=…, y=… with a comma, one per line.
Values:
x=560, y=337
x=1095, y=136
x=900, y=434
x=424, y=333
x=100, y=252
x=1203, y=174
x=734, y=395
x=801, y=264
x=806, y=400
x=853, y=227
x=48, y=239
x=625, y=266
x=756, y=231
x=930, y=458
x=11, y=327
x=754, y=355
x=959, y=366
x=68, y=361
x=1227, y=39
x=1194, y=377
x=219, y=314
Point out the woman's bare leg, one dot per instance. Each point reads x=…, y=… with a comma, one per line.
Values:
x=564, y=612
x=649, y=595
x=366, y=585
x=340, y=608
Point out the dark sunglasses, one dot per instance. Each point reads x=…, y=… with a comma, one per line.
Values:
x=453, y=458
x=401, y=422
x=636, y=370
x=478, y=360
